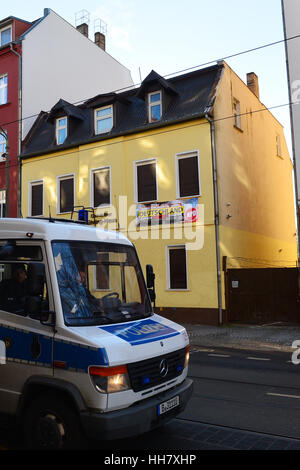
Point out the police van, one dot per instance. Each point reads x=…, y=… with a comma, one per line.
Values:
x=86, y=357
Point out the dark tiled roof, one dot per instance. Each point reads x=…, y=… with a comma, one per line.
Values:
x=187, y=97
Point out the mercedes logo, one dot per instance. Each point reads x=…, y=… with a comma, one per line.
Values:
x=163, y=368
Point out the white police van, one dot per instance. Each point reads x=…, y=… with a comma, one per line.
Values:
x=85, y=354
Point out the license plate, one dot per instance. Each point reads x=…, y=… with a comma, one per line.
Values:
x=168, y=405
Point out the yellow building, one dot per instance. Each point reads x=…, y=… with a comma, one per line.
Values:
x=194, y=170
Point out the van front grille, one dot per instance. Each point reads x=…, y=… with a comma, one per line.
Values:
x=157, y=370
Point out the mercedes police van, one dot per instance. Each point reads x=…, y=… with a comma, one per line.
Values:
x=85, y=355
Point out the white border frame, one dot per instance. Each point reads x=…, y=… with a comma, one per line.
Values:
x=96, y=119
x=3, y=159
x=3, y=75
x=95, y=170
x=11, y=33
x=155, y=103
x=181, y=156
x=59, y=128
x=30, y=184
x=137, y=163
x=58, y=180
x=168, y=279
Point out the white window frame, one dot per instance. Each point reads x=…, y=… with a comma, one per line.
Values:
x=30, y=185
x=135, y=179
x=2, y=142
x=4, y=29
x=278, y=146
x=101, y=118
x=155, y=103
x=2, y=202
x=58, y=180
x=59, y=128
x=236, y=105
x=3, y=87
x=181, y=156
x=95, y=170
x=168, y=277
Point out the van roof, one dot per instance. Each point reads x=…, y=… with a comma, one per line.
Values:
x=54, y=229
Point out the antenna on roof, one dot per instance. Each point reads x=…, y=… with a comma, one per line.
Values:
x=82, y=21
x=100, y=32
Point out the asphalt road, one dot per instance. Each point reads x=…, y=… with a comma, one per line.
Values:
x=242, y=400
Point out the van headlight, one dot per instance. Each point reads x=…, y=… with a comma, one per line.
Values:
x=187, y=356
x=110, y=379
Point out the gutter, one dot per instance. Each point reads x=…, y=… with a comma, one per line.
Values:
x=217, y=217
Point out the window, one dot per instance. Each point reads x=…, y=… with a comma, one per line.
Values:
x=154, y=106
x=3, y=89
x=2, y=148
x=103, y=119
x=187, y=171
x=237, y=114
x=61, y=130
x=5, y=36
x=278, y=146
x=36, y=198
x=102, y=271
x=101, y=187
x=176, y=267
x=146, y=187
x=65, y=194
x=2, y=203
x=16, y=279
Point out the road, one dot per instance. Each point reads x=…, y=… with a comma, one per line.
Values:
x=242, y=400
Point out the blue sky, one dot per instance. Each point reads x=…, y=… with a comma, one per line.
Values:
x=172, y=35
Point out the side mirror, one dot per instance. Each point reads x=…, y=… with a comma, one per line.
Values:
x=150, y=276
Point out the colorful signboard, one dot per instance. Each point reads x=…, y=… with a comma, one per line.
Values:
x=169, y=212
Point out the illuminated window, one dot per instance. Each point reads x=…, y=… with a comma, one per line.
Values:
x=5, y=36
x=61, y=130
x=103, y=119
x=154, y=106
x=3, y=89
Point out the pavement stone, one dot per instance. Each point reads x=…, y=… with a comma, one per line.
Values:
x=275, y=337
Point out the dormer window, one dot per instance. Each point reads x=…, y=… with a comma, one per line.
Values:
x=61, y=130
x=103, y=119
x=5, y=36
x=154, y=106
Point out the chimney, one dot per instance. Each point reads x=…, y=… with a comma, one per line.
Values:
x=83, y=29
x=100, y=40
x=252, y=83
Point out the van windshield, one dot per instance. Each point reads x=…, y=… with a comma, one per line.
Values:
x=99, y=283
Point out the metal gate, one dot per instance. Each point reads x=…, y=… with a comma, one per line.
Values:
x=263, y=295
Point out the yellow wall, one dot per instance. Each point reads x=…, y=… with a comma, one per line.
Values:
x=120, y=154
x=257, y=183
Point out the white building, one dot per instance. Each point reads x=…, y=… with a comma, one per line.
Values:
x=58, y=61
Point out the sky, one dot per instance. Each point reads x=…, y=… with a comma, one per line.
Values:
x=170, y=36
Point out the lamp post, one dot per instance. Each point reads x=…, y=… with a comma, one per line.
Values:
x=4, y=134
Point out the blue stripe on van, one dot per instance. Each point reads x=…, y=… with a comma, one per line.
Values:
x=21, y=346
x=141, y=332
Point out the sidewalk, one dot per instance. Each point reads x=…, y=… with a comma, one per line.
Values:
x=274, y=337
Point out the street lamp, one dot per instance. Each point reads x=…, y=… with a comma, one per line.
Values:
x=6, y=155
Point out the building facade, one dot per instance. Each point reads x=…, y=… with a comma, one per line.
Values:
x=188, y=168
x=40, y=62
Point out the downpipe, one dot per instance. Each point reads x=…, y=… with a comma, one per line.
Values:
x=216, y=206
